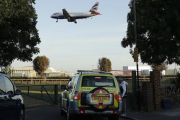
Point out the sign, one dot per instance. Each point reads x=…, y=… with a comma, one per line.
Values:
x=135, y=54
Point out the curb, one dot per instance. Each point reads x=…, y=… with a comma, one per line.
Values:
x=126, y=117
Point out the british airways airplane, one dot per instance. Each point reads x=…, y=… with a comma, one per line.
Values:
x=72, y=16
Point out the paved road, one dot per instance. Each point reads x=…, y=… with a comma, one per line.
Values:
x=51, y=113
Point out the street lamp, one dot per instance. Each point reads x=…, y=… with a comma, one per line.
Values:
x=136, y=54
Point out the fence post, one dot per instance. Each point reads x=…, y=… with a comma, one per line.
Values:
x=28, y=89
x=41, y=92
x=55, y=94
x=134, y=82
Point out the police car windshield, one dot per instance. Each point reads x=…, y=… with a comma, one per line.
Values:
x=96, y=81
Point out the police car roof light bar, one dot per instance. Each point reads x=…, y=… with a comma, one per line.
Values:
x=90, y=71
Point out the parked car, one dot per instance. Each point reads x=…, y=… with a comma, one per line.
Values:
x=11, y=102
x=91, y=93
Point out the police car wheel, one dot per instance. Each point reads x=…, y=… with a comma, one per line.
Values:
x=61, y=111
x=69, y=116
x=113, y=118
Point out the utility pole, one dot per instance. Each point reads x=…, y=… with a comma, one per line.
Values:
x=135, y=37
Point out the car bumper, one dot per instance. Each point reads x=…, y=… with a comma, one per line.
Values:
x=74, y=110
x=91, y=112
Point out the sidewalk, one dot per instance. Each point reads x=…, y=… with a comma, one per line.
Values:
x=164, y=114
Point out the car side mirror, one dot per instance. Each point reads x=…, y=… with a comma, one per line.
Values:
x=63, y=87
x=18, y=92
x=10, y=94
x=70, y=85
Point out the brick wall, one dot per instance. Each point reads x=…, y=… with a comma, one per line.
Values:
x=151, y=94
x=147, y=96
x=155, y=77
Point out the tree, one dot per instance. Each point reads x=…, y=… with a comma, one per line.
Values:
x=8, y=70
x=104, y=64
x=40, y=64
x=158, y=31
x=161, y=67
x=18, y=33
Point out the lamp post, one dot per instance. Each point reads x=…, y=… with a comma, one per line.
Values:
x=136, y=48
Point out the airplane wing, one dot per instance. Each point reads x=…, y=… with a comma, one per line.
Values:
x=68, y=17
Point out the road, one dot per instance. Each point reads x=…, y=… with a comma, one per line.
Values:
x=51, y=113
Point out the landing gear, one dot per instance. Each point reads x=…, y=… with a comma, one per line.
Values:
x=75, y=22
x=57, y=20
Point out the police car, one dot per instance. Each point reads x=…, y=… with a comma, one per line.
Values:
x=11, y=102
x=91, y=93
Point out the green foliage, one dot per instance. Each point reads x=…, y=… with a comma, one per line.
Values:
x=158, y=31
x=176, y=81
x=104, y=64
x=169, y=75
x=40, y=64
x=18, y=33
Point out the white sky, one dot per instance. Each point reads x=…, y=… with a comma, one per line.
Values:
x=71, y=47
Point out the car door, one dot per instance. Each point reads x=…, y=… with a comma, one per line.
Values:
x=69, y=90
x=65, y=96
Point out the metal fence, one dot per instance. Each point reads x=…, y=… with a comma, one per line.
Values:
x=40, y=81
x=48, y=93
x=170, y=86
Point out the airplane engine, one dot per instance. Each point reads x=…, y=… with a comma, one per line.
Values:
x=69, y=20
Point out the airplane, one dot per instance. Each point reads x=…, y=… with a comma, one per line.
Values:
x=72, y=16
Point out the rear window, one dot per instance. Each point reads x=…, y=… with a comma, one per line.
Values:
x=96, y=81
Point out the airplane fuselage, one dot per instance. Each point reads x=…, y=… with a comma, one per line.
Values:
x=72, y=16
x=75, y=15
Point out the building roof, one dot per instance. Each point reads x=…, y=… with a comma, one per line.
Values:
x=31, y=68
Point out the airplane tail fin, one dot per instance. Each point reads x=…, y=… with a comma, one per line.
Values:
x=95, y=7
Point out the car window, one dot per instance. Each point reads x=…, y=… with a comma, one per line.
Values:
x=95, y=81
x=2, y=86
x=9, y=85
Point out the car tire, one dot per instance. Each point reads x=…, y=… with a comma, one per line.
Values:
x=113, y=118
x=22, y=114
x=61, y=111
x=69, y=116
